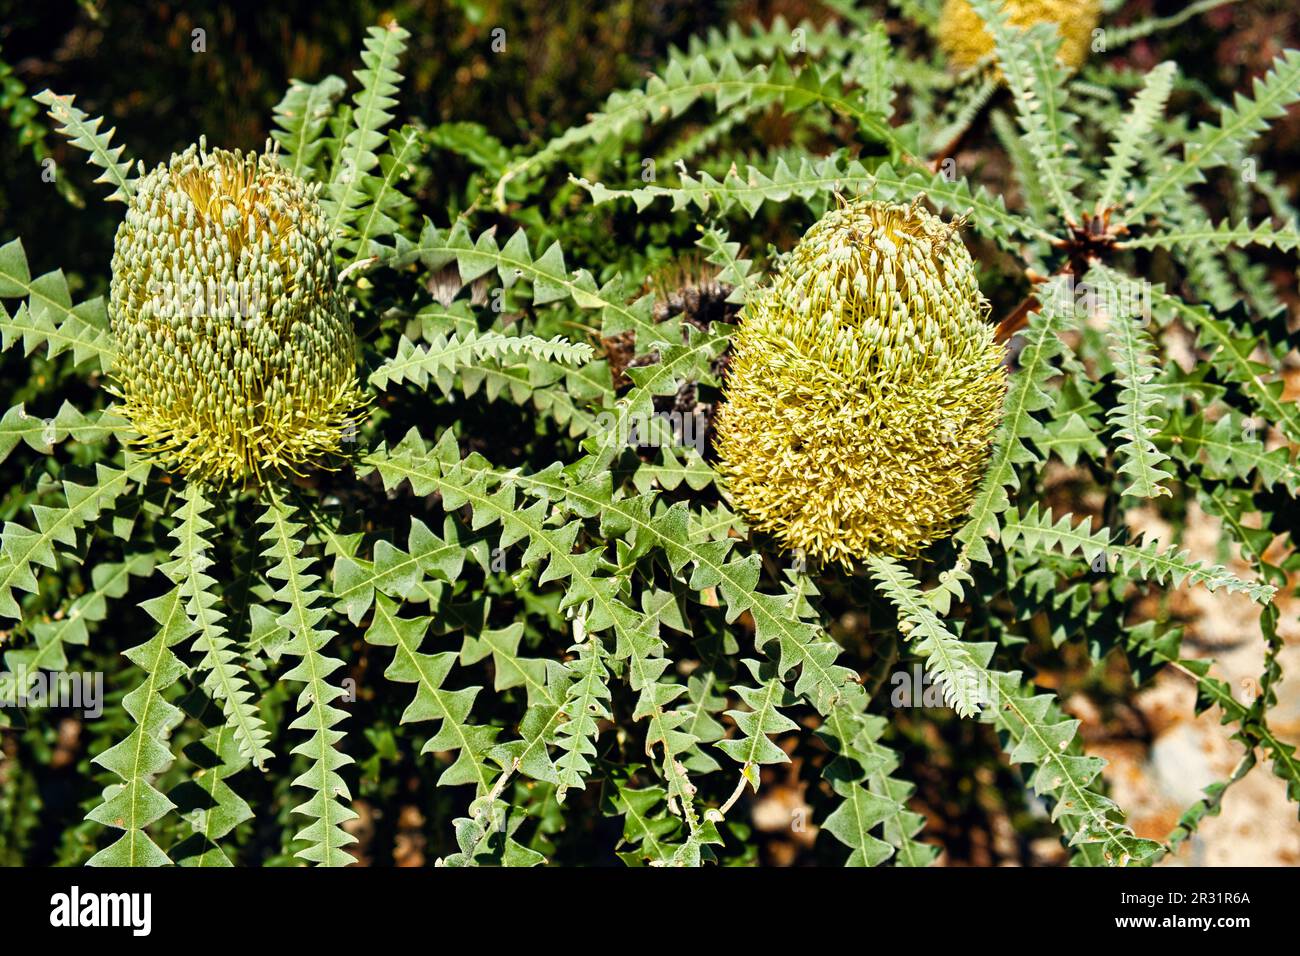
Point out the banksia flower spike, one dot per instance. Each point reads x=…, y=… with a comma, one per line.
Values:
x=235, y=354
x=965, y=40
x=864, y=389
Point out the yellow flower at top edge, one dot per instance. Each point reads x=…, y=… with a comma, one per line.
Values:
x=963, y=37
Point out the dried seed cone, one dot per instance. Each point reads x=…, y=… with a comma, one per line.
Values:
x=963, y=37
x=864, y=388
x=235, y=354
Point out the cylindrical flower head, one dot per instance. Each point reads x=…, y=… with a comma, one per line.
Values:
x=864, y=388
x=235, y=353
x=963, y=37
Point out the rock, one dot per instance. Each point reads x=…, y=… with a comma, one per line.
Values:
x=1180, y=765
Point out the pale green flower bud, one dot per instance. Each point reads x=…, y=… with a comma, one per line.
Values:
x=223, y=293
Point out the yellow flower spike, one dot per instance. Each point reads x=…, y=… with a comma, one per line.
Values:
x=965, y=40
x=235, y=355
x=864, y=388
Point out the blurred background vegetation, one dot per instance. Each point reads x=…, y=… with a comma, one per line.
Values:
x=134, y=64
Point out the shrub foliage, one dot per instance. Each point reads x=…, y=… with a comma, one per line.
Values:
x=523, y=582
